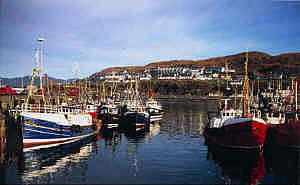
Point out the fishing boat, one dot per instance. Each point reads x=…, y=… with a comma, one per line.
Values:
x=133, y=110
x=231, y=129
x=154, y=108
x=136, y=117
x=109, y=114
x=46, y=125
x=109, y=107
x=287, y=133
x=92, y=110
x=271, y=103
x=241, y=128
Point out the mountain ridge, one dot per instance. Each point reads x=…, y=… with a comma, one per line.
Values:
x=259, y=62
x=17, y=81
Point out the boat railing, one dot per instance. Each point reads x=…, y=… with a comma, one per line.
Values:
x=48, y=109
x=230, y=113
x=255, y=113
x=275, y=118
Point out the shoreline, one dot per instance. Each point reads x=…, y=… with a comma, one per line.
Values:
x=185, y=98
x=5, y=99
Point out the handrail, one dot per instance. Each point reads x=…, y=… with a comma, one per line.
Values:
x=48, y=109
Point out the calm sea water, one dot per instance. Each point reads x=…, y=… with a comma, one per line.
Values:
x=171, y=151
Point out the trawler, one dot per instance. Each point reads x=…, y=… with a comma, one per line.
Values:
x=240, y=128
x=154, y=108
x=133, y=110
x=286, y=132
x=46, y=125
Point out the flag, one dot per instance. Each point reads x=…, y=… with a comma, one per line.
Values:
x=287, y=100
x=151, y=94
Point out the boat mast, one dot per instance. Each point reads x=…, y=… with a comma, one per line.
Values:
x=37, y=69
x=97, y=92
x=115, y=89
x=296, y=98
x=235, y=95
x=246, y=106
x=40, y=72
x=85, y=94
x=103, y=95
x=131, y=92
x=227, y=76
x=219, y=95
x=111, y=88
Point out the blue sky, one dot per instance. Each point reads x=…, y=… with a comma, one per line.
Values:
x=96, y=34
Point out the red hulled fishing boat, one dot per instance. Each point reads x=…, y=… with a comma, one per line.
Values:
x=240, y=128
x=287, y=134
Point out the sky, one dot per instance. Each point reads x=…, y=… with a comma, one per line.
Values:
x=91, y=35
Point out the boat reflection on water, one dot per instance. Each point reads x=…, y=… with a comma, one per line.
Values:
x=3, y=141
x=185, y=119
x=237, y=167
x=284, y=164
x=3, y=146
x=112, y=137
x=135, y=137
x=46, y=166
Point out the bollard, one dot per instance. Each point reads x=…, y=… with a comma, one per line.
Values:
x=3, y=131
x=2, y=141
x=19, y=132
x=98, y=124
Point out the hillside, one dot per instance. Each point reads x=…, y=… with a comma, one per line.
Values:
x=128, y=68
x=259, y=63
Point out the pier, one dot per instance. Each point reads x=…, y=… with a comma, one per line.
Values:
x=10, y=137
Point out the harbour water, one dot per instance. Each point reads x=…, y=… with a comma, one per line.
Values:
x=171, y=151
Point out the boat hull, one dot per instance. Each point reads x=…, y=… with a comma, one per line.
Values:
x=284, y=135
x=136, y=119
x=39, y=133
x=33, y=144
x=245, y=133
x=94, y=115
